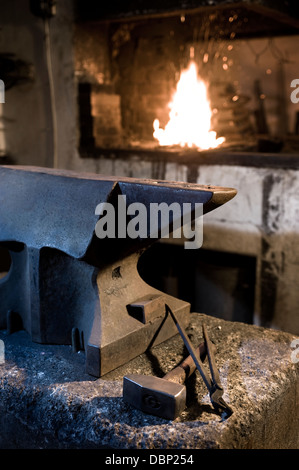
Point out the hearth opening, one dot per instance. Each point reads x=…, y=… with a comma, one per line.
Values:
x=195, y=78
x=216, y=283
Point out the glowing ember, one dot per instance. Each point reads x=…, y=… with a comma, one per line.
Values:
x=190, y=115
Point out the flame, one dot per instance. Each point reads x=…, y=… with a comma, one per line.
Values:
x=190, y=115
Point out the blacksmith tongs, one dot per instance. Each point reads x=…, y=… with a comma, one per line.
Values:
x=212, y=383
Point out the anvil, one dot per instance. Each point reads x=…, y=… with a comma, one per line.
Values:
x=65, y=284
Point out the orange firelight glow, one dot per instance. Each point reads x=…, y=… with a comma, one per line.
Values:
x=190, y=115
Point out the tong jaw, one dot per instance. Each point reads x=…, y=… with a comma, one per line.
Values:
x=219, y=404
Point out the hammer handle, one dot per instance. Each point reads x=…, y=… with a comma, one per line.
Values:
x=181, y=373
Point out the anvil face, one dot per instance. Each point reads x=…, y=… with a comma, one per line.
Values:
x=68, y=286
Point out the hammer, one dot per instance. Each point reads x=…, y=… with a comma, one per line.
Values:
x=164, y=397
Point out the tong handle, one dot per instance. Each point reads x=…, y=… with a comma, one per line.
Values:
x=213, y=384
x=213, y=367
x=199, y=365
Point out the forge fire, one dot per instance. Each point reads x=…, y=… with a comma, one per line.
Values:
x=202, y=81
x=190, y=115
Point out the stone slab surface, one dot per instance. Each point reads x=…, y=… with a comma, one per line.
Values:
x=48, y=401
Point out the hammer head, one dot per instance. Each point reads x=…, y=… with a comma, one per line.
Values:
x=154, y=395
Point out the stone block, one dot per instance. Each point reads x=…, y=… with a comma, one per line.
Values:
x=48, y=401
